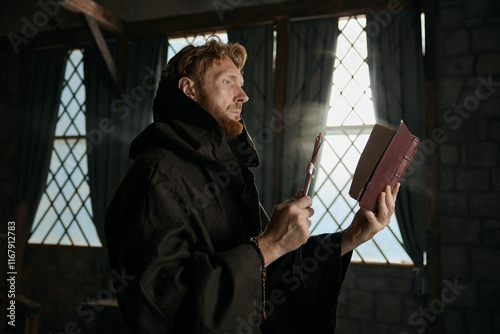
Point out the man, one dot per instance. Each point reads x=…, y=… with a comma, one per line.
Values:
x=187, y=222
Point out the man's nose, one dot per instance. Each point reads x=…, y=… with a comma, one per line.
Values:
x=241, y=96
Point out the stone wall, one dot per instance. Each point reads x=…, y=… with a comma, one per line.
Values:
x=64, y=280
x=378, y=299
x=470, y=169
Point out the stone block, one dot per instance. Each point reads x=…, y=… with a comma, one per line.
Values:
x=401, y=285
x=460, y=230
x=469, y=179
x=483, y=128
x=454, y=321
x=462, y=127
x=479, y=7
x=455, y=261
x=490, y=107
x=346, y=326
x=489, y=295
x=374, y=328
x=374, y=283
x=486, y=38
x=484, y=263
x=495, y=178
x=458, y=66
x=450, y=154
x=482, y=154
x=447, y=180
x=463, y=293
x=454, y=203
x=492, y=238
x=452, y=18
x=388, y=307
x=495, y=131
x=362, y=305
x=486, y=84
x=484, y=205
x=474, y=22
x=491, y=224
x=456, y=42
x=487, y=64
x=449, y=91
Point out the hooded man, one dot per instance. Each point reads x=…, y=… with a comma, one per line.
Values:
x=187, y=223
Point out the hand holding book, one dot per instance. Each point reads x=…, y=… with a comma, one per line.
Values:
x=366, y=223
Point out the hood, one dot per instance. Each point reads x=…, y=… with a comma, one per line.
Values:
x=181, y=125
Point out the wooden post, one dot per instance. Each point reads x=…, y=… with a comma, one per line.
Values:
x=282, y=27
x=433, y=209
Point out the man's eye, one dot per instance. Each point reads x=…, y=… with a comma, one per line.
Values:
x=226, y=81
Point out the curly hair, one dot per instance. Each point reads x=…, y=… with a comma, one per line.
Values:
x=194, y=61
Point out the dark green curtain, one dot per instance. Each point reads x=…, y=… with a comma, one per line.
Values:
x=47, y=70
x=398, y=89
x=113, y=121
x=258, y=111
x=310, y=61
x=147, y=58
x=101, y=131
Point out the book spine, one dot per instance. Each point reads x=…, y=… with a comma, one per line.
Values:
x=405, y=161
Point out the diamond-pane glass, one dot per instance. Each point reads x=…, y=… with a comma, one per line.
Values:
x=350, y=120
x=64, y=214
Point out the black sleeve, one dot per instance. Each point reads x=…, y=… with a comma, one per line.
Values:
x=303, y=286
x=180, y=284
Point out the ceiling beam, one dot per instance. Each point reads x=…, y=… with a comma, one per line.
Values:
x=226, y=17
x=221, y=19
x=102, y=15
x=104, y=50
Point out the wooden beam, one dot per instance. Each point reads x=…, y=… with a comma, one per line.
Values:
x=282, y=29
x=431, y=10
x=241, y=16
x=210, y=21
x=103, y=16
x=106, y=55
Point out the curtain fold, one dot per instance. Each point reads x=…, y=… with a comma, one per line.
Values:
x=310, y=60
x=258, y=111
x=147, y=59
x=114, y=121
x=100, y=127
x=47, y=68
x=398, y=88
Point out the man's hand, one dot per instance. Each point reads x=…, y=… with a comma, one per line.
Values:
x=366, y=223
x=288, y=228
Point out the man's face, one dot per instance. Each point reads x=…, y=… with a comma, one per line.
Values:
x=222, y=96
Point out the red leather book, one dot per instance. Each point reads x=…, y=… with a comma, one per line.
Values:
x=384, y=160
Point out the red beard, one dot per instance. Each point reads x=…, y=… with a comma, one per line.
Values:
x=231, y=127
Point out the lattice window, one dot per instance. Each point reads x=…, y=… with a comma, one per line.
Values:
x=176, y=44
x=350, y=120
x=64, y=215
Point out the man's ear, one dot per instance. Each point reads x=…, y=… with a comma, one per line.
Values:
x=187, y=86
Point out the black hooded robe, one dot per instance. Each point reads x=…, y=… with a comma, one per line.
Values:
x=180, y=222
